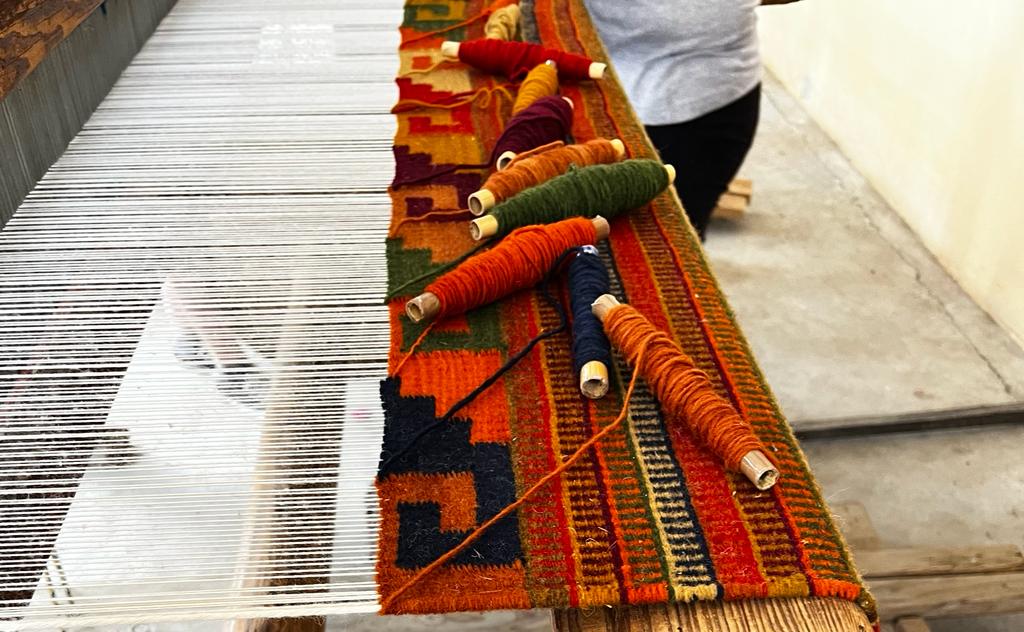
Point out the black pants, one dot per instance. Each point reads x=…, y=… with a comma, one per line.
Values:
x=707, y=152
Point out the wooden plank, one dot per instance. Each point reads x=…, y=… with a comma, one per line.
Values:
x=730, y=205
x=939, y=561
x=912, y=624
x=949, y=595
x=1012, y=413
x=855, y=523
x=32, y=30
x=742, y=187
x=754, y=615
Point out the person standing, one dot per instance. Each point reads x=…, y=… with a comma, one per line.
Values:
x=692, y=70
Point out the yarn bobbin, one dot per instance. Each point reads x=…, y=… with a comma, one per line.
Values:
x=755, y=465
x=594, y=379
x=484, y=200
x=427, y=305
x=450, y=50
x=507, y=157
x=487, y=225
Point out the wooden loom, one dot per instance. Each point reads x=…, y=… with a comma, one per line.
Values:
x=190, y=242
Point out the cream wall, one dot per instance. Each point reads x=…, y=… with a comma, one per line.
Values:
x=926, y=98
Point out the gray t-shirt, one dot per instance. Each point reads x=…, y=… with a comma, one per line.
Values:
x=681, y=59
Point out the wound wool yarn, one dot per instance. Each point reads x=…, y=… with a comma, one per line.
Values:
x=685, y=392
x=531, y=168
x=515, y=59
x=591, y=351
x=606, y=190
x=542, y=81
x=521, y=260
x=547, y=120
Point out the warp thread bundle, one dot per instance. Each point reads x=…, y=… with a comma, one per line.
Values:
x=503, y=24
x=605, y=190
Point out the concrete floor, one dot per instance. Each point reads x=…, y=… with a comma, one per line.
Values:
x=849, y=315
x=838, y=297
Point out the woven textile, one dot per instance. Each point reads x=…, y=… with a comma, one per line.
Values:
x=648, y=515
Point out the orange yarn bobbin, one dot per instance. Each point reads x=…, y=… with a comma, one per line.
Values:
x=685, y=392
x=539, y=166
x=520, y=261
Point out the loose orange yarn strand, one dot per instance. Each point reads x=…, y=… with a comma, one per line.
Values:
x=487, y=92
x=479, y=531
x=412, y=349
x=430, y=215
x=685, y=392
x=432, y=67
x=480, y=16
x=533, y=152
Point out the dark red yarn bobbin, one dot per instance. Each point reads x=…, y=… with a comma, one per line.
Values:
x=515, y=59
x=546, y=120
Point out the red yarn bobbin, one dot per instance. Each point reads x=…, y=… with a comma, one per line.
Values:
x=516, y=59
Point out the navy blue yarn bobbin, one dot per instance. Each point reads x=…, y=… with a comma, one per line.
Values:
x=588, y=279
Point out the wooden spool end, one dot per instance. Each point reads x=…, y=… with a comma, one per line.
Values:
x=483, y=227
x=424, y=307
x=505, y=158
x=552, y=63
x=671, y=171
x=603, y=305
x=594, y=379
x=572, y=106
x=596, y=70
x=487, y=226
x=450, y=50
x=761, y=472
x=481, y=202
x=619, y=147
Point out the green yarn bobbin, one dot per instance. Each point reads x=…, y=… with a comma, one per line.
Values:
x=605, y=190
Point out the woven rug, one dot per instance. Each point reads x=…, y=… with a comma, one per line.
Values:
x=647, y=516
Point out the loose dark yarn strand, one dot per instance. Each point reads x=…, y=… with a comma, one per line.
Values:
x=563, y=323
